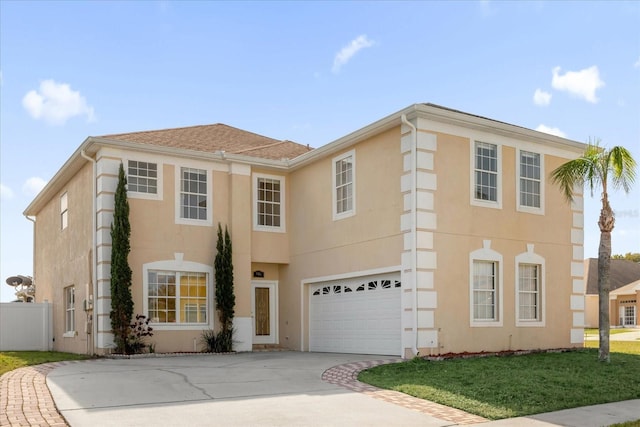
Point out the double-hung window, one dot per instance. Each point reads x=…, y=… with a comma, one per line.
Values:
x=193, y=194
x=177, y=297
x=485, y=288
x=529, y=288
x=486, y=172
x=530, y=181
x=344, y=185
x=69, y=311
x=64, y=211
x=529, y=292
x=269, y=208
x=142, y=177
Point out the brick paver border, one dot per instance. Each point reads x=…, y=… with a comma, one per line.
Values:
x=25, y=399
x=347, y=376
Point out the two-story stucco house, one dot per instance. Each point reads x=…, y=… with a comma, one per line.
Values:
x=429, y=231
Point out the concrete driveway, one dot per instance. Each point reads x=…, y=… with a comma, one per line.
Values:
x=247, y=389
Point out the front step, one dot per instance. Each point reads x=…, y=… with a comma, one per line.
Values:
x=268, y=347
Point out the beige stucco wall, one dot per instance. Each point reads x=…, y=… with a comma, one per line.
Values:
x=322, y=247
x=461, y=229
x=63, y=258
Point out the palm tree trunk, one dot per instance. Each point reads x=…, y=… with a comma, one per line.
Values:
x=606, y=223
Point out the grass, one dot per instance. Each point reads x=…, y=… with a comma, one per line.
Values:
x=513, y=386
x=613, y=331
x=10, y=360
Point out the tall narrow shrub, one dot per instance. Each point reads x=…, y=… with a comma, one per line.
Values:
x=225, y=297
x=121, y=301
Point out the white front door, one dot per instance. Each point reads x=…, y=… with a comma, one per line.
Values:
x=264, y=311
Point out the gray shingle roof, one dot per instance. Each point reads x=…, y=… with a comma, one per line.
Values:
x=621, y=274
x=216, y=137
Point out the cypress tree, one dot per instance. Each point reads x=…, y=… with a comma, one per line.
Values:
x=121, y=301
x=225, y=297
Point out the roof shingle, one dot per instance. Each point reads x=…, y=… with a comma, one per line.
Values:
x=216, y=137
x=622, y=273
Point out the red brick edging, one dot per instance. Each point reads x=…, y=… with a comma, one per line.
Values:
x=25, y=399
x=347, y=376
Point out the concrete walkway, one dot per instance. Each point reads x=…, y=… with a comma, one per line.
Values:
x=267, y=389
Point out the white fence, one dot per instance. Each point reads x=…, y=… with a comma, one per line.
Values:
x=26, y=326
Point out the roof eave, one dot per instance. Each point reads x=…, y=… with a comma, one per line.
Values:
x=442, y=115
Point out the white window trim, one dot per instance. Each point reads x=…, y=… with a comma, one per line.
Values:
x=486, y=254
x=530, y=209
x=159, y=183
x=64, y=211
x=73, y=332
x=178, y=177
x=472, y=181
x=352, y=212
x=530, y=257
x=273, y=229
x=178, y=265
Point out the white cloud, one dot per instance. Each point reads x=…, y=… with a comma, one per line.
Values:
x=33, y=185
x=582, y=84
x=541, y=98
x=551, y=131
x=637, y=63
x=6, y=193
x=55, y=103
x=347, y=52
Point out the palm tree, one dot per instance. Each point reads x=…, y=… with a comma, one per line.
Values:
x=599, y=167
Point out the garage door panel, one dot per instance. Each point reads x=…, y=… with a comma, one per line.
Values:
x=360, y=315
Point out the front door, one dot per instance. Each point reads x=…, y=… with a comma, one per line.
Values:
x=264, y=311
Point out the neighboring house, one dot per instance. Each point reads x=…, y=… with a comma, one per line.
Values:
x=624, y=295
x=429, y=231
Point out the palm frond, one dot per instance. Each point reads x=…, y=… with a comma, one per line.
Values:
x=623, y=167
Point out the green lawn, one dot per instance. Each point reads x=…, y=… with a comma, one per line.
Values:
x=513, y=386
x=10, y=360
x=594, y=331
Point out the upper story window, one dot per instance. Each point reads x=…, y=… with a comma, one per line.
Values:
x=530, y=180
x=269, y=207
x=69, y=311
x=193, y=194
x=64, y=211
x=486, y=172
x=344, y=185
x=142, y=177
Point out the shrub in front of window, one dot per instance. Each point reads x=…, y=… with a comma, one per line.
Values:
x=138, y=330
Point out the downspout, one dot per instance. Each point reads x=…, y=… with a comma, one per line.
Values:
x=94, y=322
x=414, y=228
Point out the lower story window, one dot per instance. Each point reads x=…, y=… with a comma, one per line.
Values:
x=485, y=291
x=69, y=309
x=529, y=292
x=176, y=297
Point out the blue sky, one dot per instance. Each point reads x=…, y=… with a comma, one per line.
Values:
x=310, y=72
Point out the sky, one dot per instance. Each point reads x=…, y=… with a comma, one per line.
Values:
x=309, y=72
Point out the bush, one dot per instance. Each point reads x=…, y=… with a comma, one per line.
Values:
x=218, y=342
x=138, y=330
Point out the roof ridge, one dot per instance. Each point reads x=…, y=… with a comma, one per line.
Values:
x=273, y=144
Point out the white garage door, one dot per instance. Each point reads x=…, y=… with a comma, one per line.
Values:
x=360, y=315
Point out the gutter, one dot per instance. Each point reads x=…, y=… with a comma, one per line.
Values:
x=414, y=228
x=94, y=323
